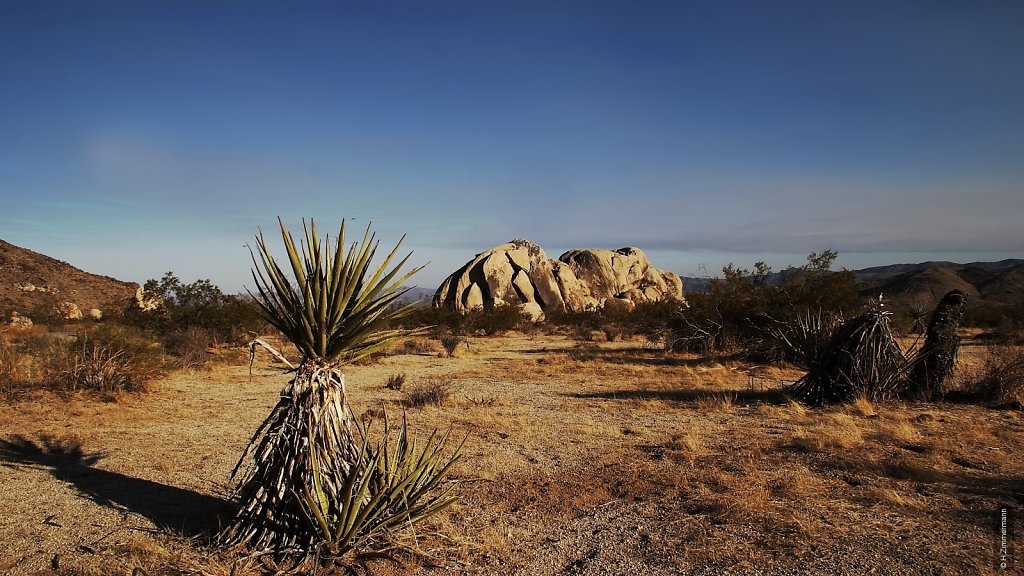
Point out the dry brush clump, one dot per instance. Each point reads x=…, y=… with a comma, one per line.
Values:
x=108, y=359
x=395, y=381
x=1000, y=378
x=451, y=341
x=431, y=392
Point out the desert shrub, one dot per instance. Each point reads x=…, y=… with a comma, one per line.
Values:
x=12, y=367
x=580, y=325
x=432, y=392
x=1004, y=321
x=488, y=320
x=108, y=359
x=497, y=319
x=450, y=342
x=436, y=318
x=44, y=311
x=1001, y=376
x=395, y=381
x=417, y=345
x=190, y=346
x=740, y=310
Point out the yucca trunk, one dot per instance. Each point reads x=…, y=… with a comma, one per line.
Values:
x=936, y=361
x=309, y=439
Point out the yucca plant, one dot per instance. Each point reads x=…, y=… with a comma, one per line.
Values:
x=860, y=359
x=806, y=339
x=314, y=484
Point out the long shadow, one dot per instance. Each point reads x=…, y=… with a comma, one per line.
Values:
x=690, y=395
x=640, y=355
x=176, y=509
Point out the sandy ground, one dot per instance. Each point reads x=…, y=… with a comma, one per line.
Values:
x=580, y=459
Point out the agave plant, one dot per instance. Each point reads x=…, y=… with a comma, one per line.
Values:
x=314, y=484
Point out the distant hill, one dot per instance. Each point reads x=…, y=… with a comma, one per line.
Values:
x=927, y=282
x=30, y=281
x=419, y=296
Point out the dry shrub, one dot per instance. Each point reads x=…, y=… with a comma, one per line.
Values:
x=686, y=446
x=12, y=367
x=450, y=342
x=1001, y=376
x=417, y=345
x=107, y=360
x=190, y=346
x=395, y=381
x=432, y=392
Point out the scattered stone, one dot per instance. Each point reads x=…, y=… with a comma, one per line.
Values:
x=96, y=314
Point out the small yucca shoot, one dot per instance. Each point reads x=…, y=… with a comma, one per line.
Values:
x=393, y=488
x=312, y=484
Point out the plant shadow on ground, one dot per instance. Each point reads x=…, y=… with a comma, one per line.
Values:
x=178, y=510
x=641, y=356
x=977, y=480
x=744, y=396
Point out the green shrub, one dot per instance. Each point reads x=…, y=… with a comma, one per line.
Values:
x=740, y=310
x=199, y=305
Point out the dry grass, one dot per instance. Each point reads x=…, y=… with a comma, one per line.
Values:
x=613, y=459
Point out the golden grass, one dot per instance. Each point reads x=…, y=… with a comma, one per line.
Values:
x=592, y=445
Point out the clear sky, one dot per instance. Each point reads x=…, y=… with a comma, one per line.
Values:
x=142, y=137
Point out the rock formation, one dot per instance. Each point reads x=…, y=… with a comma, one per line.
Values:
x=69, y=311
x=520, y=273
x=19, y=321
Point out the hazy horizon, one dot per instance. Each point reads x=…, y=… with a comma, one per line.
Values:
x=145, y=137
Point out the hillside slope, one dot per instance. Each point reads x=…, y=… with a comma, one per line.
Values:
x=991, y=281
x=31, y=282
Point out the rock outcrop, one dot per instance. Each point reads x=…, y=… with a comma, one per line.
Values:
x=19, y=321
x=520, y=273
x=69, y=311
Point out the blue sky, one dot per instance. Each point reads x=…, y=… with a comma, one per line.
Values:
x=142, y=137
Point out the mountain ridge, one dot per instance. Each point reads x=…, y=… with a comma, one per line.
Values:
x=31, y=283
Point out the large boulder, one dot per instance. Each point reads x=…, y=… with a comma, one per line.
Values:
x=520, y=273
x=69, y=311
